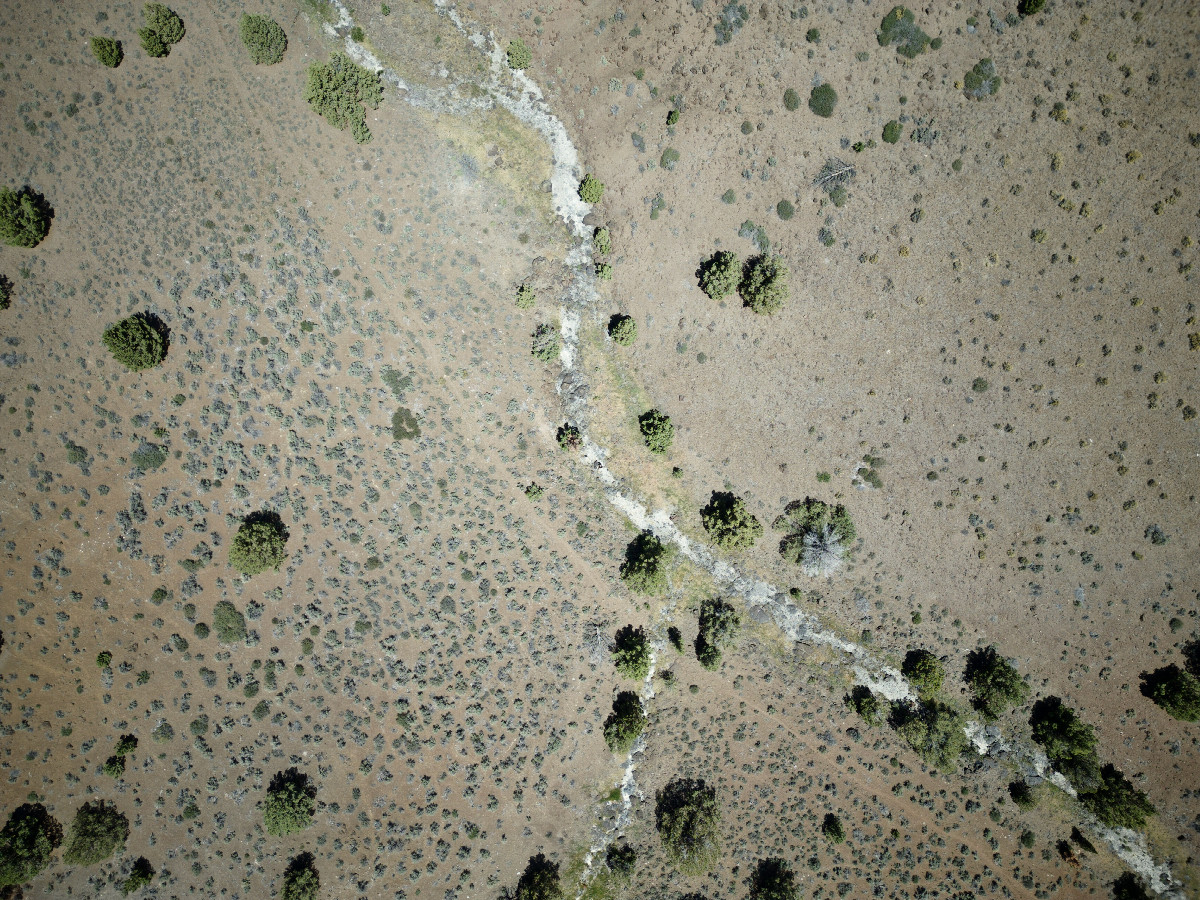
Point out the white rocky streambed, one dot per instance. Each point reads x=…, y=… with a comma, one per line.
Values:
x=518, y=94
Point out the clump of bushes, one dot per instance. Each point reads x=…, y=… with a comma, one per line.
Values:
x=228, y=622
x=620, y=859
x=259, y=545
x=822, y=100
x=995, y=684
x=866, y=704
x=27, y=841
x=982, y=81
x=688, y=817
x=657, y=430
x=568, y=437
x=545, y=344
x=899, y=27
x=24, y=217
x=631, y=652
x=933, y=729
x=290, y=804
x=924, y=672
x=622, y=329
x=591, y=190
x=625, y=723
x=818, y=535
x=764, y=284
x=519, y=54
x=791, y=100
x=108, y=52
x=719, y=274
x=263, y=37
x=720, y=625
x=97, y=832
x=728, y=523
x=137, y=342
x=1070, y=745
x=340, y=90
x=892, y=131
x=831, y=827
x=1175, y=690
x=164, y=29
x=140, y=875
x=645, y=565
x=6, y=289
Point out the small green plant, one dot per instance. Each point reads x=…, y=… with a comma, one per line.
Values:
x=866, y=704
x=534, y=491
x=405, y=426
x=631, y=653
x=892, y=132
x=107, y=51
x=813, y=36
x=164, y=29
x=719, y=274
x=97, y=832
x=591, y=190
x=263, y=37
x=259, y=545
x=764, y=284
x=519, y=55
x=899, y=27
x=568, y=437
x=791, y=100
x=602, y=241
x=625, y=723
x=103, y=659
x=138, y=342
x=822, y=100
x=995, y=684
x=114, y=766
x=785, y=210
x=1175, y=690
x=27, y=842
x=831, y=827
x=982, y=81
x=622, y=329
x=728, y=523
x=357, y=34
x=341, y=90
x=645, y=566
x=720, y=625
x=526, y=298
x=290, y=803
x=687, y=817
x=228, y=622
x=385, y=10
x=545, y=344
x=604, y=271
x=925, y=672
x=24, y=217
x=657, y=430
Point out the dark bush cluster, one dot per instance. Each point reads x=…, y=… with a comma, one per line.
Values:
x=301, y=881
x=140, y=875
x=625, y=723
x=934, y=730
x=645, y=565
x=290, y=804
x=720, y=624
x=98, y=831
x=631, y=653
x=764, y=284
x=982, y=81
x=822, y=100
x=622, y=329
x=657, y=430
x=27, y=841
x=995, y=684
x=773, y=879
x=1070, y=745
x=1177, y=691
x=719, y=274
x=263, y=37
x=1116, y=802
x=899, y=27
x=924, y=672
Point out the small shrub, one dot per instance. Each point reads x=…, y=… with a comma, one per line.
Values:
x=625, y=723
x=534, y=491
x=340, y=90
x=228, y=622
x=719, y=274
x=140, y=875
x=107, y=51
x=924, y=671
x=892, y=132
x=148, y=457
x=813, y=36
x=645, y=566
x=899, y=27
x=126, y=744
x=201, y=630
x=773, y=879
x=602, y=241
x=97, y=832
x=657, y=430
x=831, y=827
x=259, y=545
x=1069, y=743
x=866, y=704
x=1175, y=690
x=103, y=659
x=405, y=426
x=785, y=210
x=163, y=29
x=622, y=329
x=1116, y=802
x=995, y=684
x=620, y=859
x=669, y=158
x=982, y=81
x=631, y=652
x=301, y=881
x=290, y=804
x=822, y=100
x=591, y=190
x=539, y=881
x=24, y=217
x=357, y=34
x=545, y=345
x=604, y=271
x=729, y=197
x=263, y=37
x=163, y=733
x=519, y=55
x=764, y=284
x=672, y=117
x=568, y=437
x=728, y=523
x=819, y=535
x=687, y=818
x=791, y=100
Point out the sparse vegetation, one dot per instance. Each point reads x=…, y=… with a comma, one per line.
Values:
x=263, y=37
x=899, y=28
x=687, y=816
x=982, y=81
x=342, y=91
x=728, y=523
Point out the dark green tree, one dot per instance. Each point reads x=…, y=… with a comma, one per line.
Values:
x=291, y=803
x=340, y=89
x=866, y=704
x=720, y=624
x=631, y=652
x=591, y=190
x=163, y=29
x=625, y=723
x=728, y=523
x=97, y=832
x=688, y=817
x=107, y=51
x=622, y=329
x=1116, y=802
x=140, y=875
x=822, y=100
x=1070, y=745
x=1177, y=691
x=933, y=729
x=1030, y=7
x=228, y=622
x=138, y=342
x=263, y=37
x=28, y=839
x=773, y=879
x=539, y=881
x=1130, y=887
x=832, y=828
x=620, y=859
x=301, y=881
x=764, y=284
x=995, y=684
x=645, y=565
x=657, y=430
x=816, y=518
x=24, y=217
x=719, y=274
x=924, y=671
x=519, y=54
x=260, y=544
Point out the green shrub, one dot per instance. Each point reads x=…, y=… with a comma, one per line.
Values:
x=405, y=426
x=1116, y=802
x=785, y=210
x=228, y=622
x=631, y=652
x=519, y=55
x=107, y=51
x=645, y=565
x=545, y=345
x=866, y=704
x=764, y=284
x=924, y=671
x=729, y=197
x=604, y=271
x=199, y=725
x=539, y=881
x=1070, y=745
x=148, y=457
x=152, y=44
x=163, y=733
x=672, y=117
x=657, y=430
x=899, y=27
x=791, y=100
x=163, y=29
x=687, y=818
x=138, y=342
x=622, y=329
x=982, y=81
x=27, y=841
x=140, y=875
x=669, y=158
x=97, y=832
x=568, y=437
x=200, y=631
x=995, y=684
x=1022, y=795
x=602, y=240
x=290, y=804
x=24, y=217
x=773, y=879
x=301, y=881
x=126, y=744
x=625, y=723
x=831, y=827
x=1030, y=7
x=719, y=274
x=933, y=729
x=1175, y=690
x=103, y=659
x=892, y=132
x=357, y=34
x=260, y=544
x=263, y=37
x=822, y=100
x=340, y=89
x=591, y=190
x=728, y=523
x=620, y=859
x=720, y=624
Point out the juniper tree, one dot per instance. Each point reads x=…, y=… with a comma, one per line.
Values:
x=97, y=832
x=27, y=841
x=260, y=544
x=138, y=342
x=290, y=803
x=263, y=37
x=24, y=217
x=995, y=684
x=687, y=817
x=728, y=523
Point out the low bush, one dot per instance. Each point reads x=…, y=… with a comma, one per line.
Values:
x=405, y=426
x=719, y=274
x=687, y=818
x=164, y=29
x=228, y=622
x=301, y=881
x=934, y=730
x=24, y=217
x=260, y=544
x=720, y=624
x=982, y=81
x=1069, y=744
x=866, y=704
x=526, y=298
x=519, y=55
x=892, y=132
x=622, y=329
x=924, y=671
x=591, y=190
x=625, y=723
x=791, y=100
x=290, y=803
x=341, y=90
x=631, y=652
x=822, y=100
x=645, y=565
x=1116, y=802
x=27, y=841
x=773, y=879
x=657, y=430
x=602, y=241
x=995, y=684
x=539, y=881
x=263, y=37
x=140, y=875
x=97, y=832
x=1175, y=690
x=899, y=27
x=138, y=342
x=728, y=523
x=545, y=343
x=107, y=51
x=764, y=284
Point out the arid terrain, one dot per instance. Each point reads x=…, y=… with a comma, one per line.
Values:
x=988, y=356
